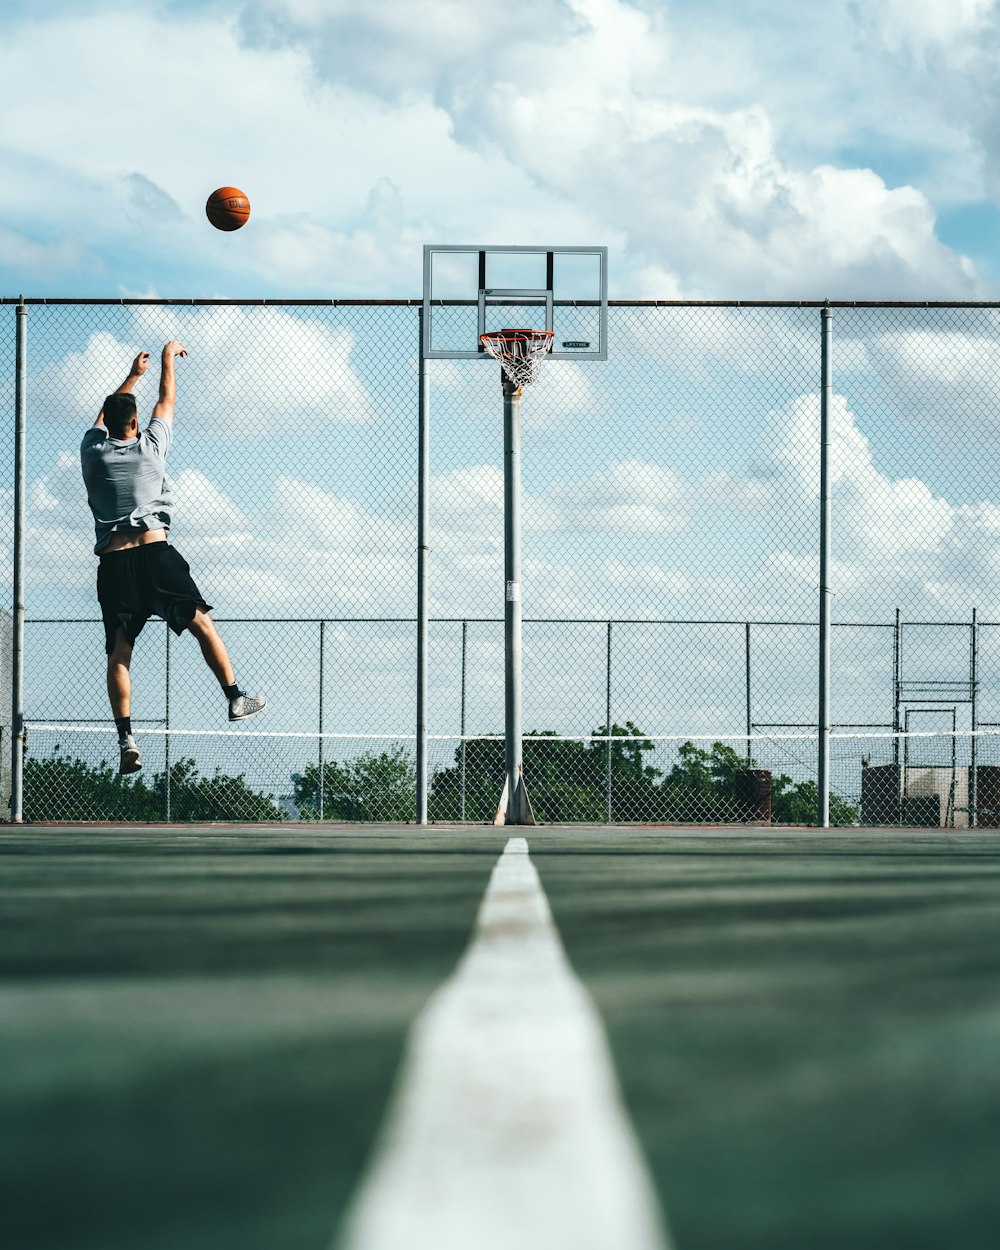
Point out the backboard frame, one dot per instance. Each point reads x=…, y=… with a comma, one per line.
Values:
x=543, y=296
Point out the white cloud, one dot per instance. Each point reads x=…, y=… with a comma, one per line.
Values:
x=919, y=27
x=940, y=380
x=632, y=496
x=211, y=516
x=242, y=369
x=562, y=391
x=453, y=122
x=581, y=101
x=29, y=259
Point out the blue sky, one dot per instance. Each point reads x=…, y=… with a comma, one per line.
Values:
x=726, y=149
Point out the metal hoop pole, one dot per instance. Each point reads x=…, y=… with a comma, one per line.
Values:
x=513, y=646
x=518, y=809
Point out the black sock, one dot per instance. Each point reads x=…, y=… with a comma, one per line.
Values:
x=124, y=726
x=233, y=691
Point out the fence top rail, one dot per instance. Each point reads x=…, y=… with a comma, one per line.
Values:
x=531, y=620
x=350, y=301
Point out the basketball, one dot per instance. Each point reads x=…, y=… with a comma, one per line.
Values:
x=227, y=208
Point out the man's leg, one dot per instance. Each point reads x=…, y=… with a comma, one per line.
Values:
x=119, y=677
x=120, y=694
x=213, y=649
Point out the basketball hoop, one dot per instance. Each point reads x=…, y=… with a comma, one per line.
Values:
x=520, y=352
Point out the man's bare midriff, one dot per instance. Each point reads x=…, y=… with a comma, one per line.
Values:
x=121, y=540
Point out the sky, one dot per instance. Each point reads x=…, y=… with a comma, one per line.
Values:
x=720, y=149
x=762, y=149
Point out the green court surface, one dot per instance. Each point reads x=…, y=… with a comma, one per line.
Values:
x=200, y=1027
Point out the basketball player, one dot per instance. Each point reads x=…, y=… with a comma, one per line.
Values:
x=124, y=470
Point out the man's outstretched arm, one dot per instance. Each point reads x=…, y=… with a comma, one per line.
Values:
x=164, y=408
x=139, y=366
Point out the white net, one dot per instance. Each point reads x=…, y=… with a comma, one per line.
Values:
x=520, y=352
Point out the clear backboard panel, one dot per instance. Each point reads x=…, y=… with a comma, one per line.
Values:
x=472, y=290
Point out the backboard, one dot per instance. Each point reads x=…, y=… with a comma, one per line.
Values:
x=471, y=290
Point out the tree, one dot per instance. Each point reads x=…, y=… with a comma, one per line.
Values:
x=561, y=780
x=702, y=787
x=566, y=779
x=219, y=797
x=371, y=787
x=798, y=804
x=59, y=788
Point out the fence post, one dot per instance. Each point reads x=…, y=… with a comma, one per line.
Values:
x=607, y=723
x=17, y=650
x=746, y=640
x=320, y=761
x=974, y=712
x=461, y=758
x=825, y=590
x=423, y=516
x=166, y=736
x=897, y=660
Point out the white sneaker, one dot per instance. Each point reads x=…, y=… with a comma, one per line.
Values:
x=130, y=755
x=245, y=705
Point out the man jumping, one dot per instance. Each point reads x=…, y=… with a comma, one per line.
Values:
x=130, y=495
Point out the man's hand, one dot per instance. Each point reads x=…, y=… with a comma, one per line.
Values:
x=139, y=365
x=172, y=349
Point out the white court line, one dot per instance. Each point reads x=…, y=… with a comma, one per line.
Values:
x=507, y=1130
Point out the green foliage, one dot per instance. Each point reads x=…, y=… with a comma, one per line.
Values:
x=568, y=782
x=798, y=804
x=59, y=788
x=219, y=797
x=369, y=788
x=564, y=784
x=701, y=786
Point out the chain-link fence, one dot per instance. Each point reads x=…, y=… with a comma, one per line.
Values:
x=671, y=537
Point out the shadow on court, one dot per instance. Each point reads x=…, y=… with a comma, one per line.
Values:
x=806, y=1027
x=199, y=1028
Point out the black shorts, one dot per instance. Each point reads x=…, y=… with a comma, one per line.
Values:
x=135, y=584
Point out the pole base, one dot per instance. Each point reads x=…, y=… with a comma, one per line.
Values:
x=518, y=811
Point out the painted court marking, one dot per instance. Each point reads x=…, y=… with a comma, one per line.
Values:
x=507, y=1128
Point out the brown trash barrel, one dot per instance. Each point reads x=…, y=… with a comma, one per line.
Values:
x=988, y=796
x=881, y=794
x=752, y=789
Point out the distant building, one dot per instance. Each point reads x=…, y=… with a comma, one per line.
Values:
x=918, y=795
x=287, y=806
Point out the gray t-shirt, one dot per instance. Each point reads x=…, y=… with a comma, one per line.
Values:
x=126, y=480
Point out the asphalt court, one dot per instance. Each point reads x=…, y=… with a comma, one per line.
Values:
x=200, y=1028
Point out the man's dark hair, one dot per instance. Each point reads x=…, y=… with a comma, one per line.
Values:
x=119, y=409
